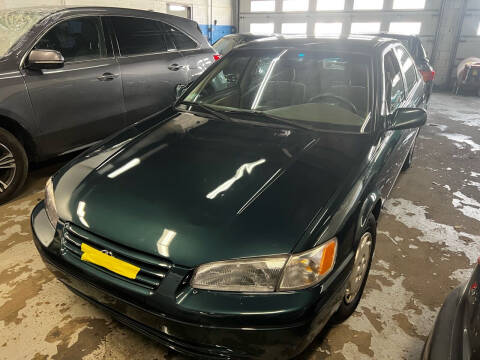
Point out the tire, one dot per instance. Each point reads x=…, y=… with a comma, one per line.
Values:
x=368, y=234
x=13, y=165
x=409, y=160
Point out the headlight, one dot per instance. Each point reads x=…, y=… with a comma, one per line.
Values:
x=310, y=267
x=50, y=207
x=268, y=274
x=256, y=274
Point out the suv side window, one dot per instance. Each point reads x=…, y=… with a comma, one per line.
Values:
x=408, y=67
x=76, y=39
x=138, y=36
x=394, y=87
x=181, y=41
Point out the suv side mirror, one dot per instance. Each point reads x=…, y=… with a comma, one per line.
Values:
x=407, y=118
x=45, y=59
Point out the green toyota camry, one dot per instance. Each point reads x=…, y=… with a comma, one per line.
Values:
x=239, y=221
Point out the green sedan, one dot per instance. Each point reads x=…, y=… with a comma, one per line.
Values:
x=239, y=221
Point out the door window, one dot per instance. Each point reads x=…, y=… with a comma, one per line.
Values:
x=394, y=88
x=181, y=41
x=408, y=67
x=76, y=39
x=139, y=36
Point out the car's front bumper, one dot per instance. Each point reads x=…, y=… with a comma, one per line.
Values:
x=202, y=323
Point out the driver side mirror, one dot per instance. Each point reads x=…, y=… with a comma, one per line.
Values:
x=407, y=118
x=45, y=59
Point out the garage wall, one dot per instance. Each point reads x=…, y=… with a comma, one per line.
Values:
x=205, y=12
x=440, y=23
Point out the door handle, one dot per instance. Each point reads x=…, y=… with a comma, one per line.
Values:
x=107, y=77
x=175, y=67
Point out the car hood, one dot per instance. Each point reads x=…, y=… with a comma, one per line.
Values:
x=195, y=190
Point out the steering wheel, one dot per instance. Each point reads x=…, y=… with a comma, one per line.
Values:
x=336, y=97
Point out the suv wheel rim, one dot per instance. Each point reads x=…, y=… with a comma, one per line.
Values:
x=362, y=259
x=8, y=167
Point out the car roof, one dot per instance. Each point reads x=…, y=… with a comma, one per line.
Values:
x=353, y=43
x=396, y=36
x=99, y=10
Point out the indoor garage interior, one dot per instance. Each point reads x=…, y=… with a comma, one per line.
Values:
x=428, y=230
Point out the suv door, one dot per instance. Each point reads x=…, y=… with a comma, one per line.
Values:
x=196, y=59
x=151, y=67
x=82, y=102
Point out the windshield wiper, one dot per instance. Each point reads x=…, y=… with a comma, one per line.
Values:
x=208, y=110
x=275, y=118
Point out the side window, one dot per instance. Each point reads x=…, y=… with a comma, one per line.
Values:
x=408, y=67
x=181, y=41
x=394, y=88
x=76, y=39
x=139, y=36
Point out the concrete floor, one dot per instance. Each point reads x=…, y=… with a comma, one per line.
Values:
x=429, y=237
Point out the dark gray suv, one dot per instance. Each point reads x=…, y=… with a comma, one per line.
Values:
x=71, y=76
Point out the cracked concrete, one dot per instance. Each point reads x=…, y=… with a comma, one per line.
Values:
x=428, y=240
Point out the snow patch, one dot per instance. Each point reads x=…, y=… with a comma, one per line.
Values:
x=460, y=139
x=415, y=217
x=468, y=206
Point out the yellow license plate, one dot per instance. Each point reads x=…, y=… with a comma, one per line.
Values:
x=108, y=262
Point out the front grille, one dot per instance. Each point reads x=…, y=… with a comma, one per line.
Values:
x=152, y=269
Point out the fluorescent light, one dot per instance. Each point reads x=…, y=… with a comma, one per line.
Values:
x=405, y=28
x=368, y=5
x=408, y=4
x=176, y=8
x=295, y=5
x=365, y=27
x=325, y=5
x=328, y=29
x=262, y=28
x=294, y=28
x=262, y=6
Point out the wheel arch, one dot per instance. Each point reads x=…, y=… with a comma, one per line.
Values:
x=372, y=204
x=20, y=133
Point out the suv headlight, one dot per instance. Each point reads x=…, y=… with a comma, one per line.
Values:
x=50, y=207
x=268, y=274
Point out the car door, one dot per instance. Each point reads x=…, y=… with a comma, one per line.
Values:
x=195, y=59
x=395, y=95
x=82, y=102
x=150, y=69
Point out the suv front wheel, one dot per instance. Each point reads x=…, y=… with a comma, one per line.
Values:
x=13, y=165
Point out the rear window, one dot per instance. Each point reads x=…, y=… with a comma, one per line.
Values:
x=139, y=36
x=181, y=40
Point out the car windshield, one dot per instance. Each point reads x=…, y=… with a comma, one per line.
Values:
x=14, y=24
x=324, y=90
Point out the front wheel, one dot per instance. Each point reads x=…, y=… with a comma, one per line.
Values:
x=359, y=275
x=13, y=165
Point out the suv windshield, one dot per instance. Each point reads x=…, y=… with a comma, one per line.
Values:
x=326, y=90
x=15, y=23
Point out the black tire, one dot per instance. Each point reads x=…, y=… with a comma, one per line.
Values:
x=13, y=154
x=347, y=307
x=409, y=160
